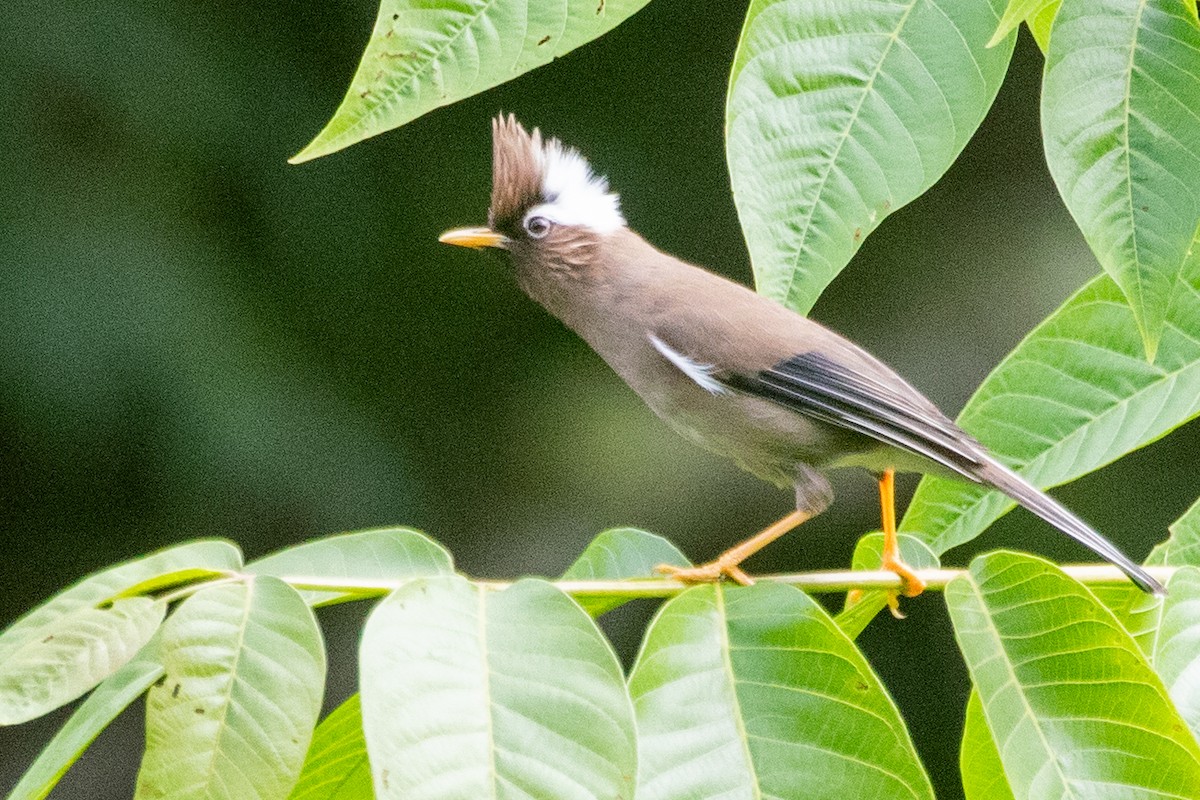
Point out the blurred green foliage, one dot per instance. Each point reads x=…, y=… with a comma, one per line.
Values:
x=197, y=339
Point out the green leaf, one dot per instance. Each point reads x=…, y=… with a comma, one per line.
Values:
x=423, y=55
x=1182, y=548
x=337, y=767
x=621, y=554
x=840, y=113
x=1121, y=122
x=109, y=699
x=1176, y=654
x=171, y=580
x=383, y=555
x=868, y=555
x=982, y=773
x=1142, y=615
x=1040, y=23
x=109, y=583
x=1073, y=706
x=1075, y=395
x=511, y=694
x=76, y=652
x=235, y=711
x=1018, y=11
x=754, y=692
x=67, y=645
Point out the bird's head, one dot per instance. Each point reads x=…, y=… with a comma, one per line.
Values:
x=548, y=208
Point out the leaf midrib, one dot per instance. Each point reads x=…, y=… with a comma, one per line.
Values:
x=1128, y=177
x=481, y=628
x=868, y=87
x=1009, y=669
x=239, y=649
x=735, y=703
x=423, y=68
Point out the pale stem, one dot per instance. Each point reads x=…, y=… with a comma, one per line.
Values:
x=829, y=581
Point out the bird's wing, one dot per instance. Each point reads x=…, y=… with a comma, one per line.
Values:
x=889, y=411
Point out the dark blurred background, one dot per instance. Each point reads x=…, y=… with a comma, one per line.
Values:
x=199, y=340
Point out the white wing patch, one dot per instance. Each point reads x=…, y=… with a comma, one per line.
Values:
x=701, y=374
x=574, y=194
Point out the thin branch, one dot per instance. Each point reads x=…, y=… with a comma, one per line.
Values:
x=828, y=581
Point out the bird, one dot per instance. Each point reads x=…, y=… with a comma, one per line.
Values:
x=730, y=369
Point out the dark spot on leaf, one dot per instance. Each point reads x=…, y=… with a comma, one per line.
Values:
x=857, y=234
x=862, y=686
x=199, y=710
x=49, y=638
x=887, y=205
x=543, y=40
x=175, y=691
x=364, y=94
x=1145, y=208
x=395, y=17
x=161, y=681
x=383, y=778
x=600, y=8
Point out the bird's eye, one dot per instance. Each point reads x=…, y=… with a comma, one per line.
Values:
x=537, y=227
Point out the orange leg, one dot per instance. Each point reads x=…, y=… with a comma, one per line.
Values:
x=726, y=564
x=912, y=583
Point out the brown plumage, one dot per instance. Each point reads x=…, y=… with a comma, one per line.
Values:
x=729, y=369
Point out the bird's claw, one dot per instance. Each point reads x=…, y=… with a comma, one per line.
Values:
x=711, y=572
x=911, y=585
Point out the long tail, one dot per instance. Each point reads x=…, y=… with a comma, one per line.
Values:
x=1057, y=515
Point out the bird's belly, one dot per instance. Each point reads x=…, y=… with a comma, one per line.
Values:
x=762, y=437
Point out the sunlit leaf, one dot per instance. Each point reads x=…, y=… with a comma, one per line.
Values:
x=1182, y=548
x=839, y=114
x=1121, y=123
x=384, y=555
x=171, y=580
x=1040, y=23
x=75, y=652
x=982, y=773
x=337, y=767
x=1073, y=707
x=1075, y=395
x=102, y=706
x=755, y=692
x=1176, y=654
x=621, y=554
x=1019, y=11
x=108, y=583
x=472, y=693
x=424, y=54
x=1141, y=614
x=234, y=713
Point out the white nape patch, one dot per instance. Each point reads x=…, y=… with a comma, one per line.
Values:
x=702, y=374
x=574, y=194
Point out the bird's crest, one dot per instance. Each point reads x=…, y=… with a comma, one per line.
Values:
x=532, y=176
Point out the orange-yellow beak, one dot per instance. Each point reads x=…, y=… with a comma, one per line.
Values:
x=474, y=237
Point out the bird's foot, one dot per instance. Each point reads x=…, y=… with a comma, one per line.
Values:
x=911, y=585
x=711, y=572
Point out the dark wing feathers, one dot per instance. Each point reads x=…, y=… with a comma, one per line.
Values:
x=817, y=386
